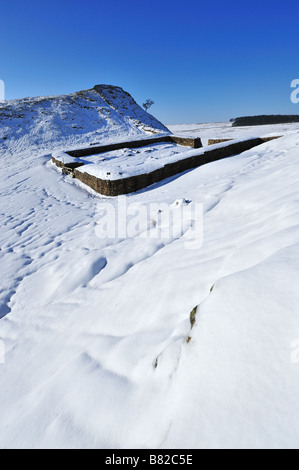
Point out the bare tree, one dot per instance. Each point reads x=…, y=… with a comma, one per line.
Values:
x=148, y=103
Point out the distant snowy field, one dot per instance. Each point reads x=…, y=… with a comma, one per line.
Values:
x=224, y=130
x=96, y=331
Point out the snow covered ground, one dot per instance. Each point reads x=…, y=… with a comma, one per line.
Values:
x=99, y=349
x=224, y=130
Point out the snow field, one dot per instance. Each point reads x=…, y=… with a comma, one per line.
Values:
x=96, y=330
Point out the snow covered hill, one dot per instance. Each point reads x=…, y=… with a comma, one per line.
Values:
x=71, y=120
x=99, y=345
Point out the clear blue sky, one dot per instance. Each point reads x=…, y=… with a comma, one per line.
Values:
x=199, y=61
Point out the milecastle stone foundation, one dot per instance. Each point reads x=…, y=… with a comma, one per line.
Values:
x=135, y=183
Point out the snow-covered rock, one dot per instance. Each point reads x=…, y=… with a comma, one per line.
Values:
x=96, y=115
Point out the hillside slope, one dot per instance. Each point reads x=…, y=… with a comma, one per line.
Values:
x=104, y=112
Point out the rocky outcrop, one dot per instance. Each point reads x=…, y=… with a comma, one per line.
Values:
x=97, y=115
